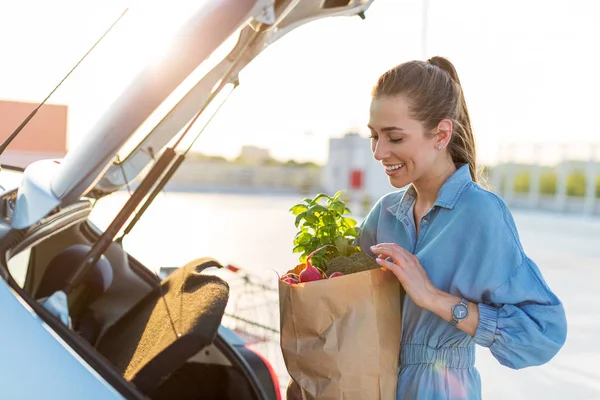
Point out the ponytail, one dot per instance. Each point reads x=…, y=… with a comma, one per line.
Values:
x=462, y=146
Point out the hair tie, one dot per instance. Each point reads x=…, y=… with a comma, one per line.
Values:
x=430, y=61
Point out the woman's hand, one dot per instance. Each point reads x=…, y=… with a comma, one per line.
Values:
x=410, y=273
x=416, y=283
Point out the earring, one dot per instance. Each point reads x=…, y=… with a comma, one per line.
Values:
x=439, y=147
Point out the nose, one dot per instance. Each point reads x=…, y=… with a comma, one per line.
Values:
x=380, y=150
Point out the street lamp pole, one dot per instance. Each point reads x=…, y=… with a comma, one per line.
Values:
x=424, y=15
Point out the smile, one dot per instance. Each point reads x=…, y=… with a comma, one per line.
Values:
x=393, y=167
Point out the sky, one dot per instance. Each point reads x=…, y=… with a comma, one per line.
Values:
x=529, y=70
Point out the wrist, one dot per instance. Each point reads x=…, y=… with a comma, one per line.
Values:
x=434, y=298
x=441, y=304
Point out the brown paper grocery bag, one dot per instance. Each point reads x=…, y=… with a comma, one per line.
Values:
x=340, y=337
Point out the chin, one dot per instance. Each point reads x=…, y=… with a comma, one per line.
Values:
x=398, y=182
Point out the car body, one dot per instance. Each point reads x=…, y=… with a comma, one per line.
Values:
x=82, y=318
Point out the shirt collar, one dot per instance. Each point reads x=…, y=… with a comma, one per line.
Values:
x=447, y=196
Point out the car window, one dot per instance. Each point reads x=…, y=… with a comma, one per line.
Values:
x=18, y=266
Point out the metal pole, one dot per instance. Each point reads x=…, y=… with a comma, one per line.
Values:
x=424, y=15
x=510, y=174
x=561, y=184
x=534, y=182
x=590, y=191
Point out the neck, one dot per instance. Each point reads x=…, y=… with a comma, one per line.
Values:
x=428, y=186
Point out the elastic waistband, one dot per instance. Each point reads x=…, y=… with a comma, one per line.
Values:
x=448, y=357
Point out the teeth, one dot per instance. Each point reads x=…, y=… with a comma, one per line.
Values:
x=393, y=167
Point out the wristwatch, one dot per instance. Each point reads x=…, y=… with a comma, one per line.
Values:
x=459, y=312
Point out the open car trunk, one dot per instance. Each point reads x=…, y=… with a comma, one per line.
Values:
x=163, y=339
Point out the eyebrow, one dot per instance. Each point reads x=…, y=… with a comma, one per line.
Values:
x=388, y=128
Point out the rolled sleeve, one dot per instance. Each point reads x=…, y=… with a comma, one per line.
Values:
x=488, y=323
x=523, y=323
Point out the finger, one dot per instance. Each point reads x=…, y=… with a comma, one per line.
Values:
x=386, y=245
x=390, y=258
x=385, y=248
x=394, y=251
x=389, y=246
x=397, y=270
x=400, y=251
x=385, y=257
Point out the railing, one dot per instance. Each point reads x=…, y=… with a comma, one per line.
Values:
x=563, y=178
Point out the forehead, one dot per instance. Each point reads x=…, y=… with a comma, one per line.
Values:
x=390, y=111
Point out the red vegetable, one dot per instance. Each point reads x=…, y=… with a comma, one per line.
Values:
x=335, y=275
x=310, y=273
x=290, y=280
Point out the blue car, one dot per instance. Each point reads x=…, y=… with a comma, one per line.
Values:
x=82, y=318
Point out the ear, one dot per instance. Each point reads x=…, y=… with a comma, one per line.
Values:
x=444, y=134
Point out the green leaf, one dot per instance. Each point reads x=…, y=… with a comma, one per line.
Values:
x=321, y=252
x=351, y=232
x=319, y=197
x=347, y=211
x=325, y=240
x=312, y=219
x=304, y=238
x=341, y=244
x=329, y=219
x=333, y=230
x=299, y=218
x=298, y=249
x=349, y=222
x=353, y=250
x=298, y=208
x=337, y=195
x=318, y=261
x=317, y=208
x=338, y=206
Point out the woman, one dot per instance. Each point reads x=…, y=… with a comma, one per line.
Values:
x=453, y=245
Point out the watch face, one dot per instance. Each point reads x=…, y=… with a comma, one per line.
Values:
x=459, y=311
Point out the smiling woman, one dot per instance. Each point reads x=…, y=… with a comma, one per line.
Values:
x=452, y=245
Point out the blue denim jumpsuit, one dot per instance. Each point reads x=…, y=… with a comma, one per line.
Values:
x=469, y=246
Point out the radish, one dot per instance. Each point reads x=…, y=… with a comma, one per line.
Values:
x=335, y=274
x=310, y=273
x=290, y=278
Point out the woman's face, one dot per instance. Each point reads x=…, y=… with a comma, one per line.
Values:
x=400, y=142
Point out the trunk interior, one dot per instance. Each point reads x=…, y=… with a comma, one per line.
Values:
x=159, y=335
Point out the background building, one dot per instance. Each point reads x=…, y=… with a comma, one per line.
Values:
x=252, y=155
x=351, y=167
x=45, y=136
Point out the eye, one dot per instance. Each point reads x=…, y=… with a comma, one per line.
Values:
x=373, y=136
x=396, y=140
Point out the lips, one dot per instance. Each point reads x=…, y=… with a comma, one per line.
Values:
x=393, y=167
